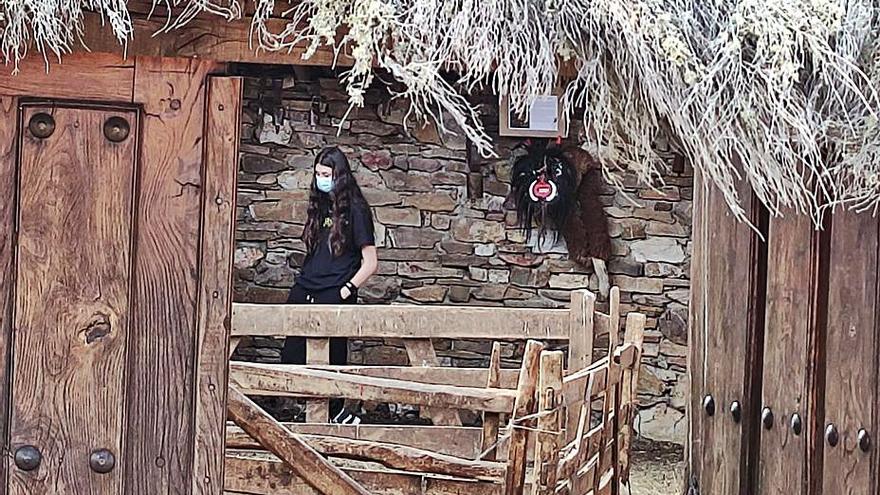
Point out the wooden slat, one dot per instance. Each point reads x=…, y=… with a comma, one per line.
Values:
x=296, y=454
x=573, y=386
x=438, y=375
x=317, y=352
x=398, y=321
x=159, y=417
x=421, y=353
x=102, y=77
x=73, y=299
x=852, y=348
x=549, y=423
x=724, y=316
x=792, y=264
x=8, y=165
x=266, y=379
x=206, y=37
x=492, y=421
x=458, y=441
x=634, y=336
x=580, y=345
x=218, y=231
x=270, y=477
x=525, y=407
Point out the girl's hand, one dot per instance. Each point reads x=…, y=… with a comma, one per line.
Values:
x=344, y=293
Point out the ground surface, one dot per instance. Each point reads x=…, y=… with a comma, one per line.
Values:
x=657, y=469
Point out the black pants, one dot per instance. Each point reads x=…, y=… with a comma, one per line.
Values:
x=294, y=350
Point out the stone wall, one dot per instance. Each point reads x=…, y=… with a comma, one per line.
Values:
x=437, y=246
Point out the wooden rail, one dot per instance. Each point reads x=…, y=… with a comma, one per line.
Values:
x=540, y=433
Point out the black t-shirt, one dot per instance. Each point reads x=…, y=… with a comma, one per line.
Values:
x=321, y=270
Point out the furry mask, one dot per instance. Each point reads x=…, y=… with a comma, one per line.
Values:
x=543, y=183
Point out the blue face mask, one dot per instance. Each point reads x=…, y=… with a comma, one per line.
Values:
x=324, y=184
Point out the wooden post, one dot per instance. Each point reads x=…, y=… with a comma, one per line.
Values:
x=317, y=352
x=580, y=346
x=549, y=423
x=303, y=460
x=524, y=406
x=421, y=353
x=491, y=421
x=635, y=335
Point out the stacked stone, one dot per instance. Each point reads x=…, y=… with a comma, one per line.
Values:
x=438, y=246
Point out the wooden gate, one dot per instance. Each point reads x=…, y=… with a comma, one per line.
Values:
x=784, y=352
x=117, y=189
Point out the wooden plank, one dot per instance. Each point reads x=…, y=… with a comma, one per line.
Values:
x=852, y=350
x=160, y=415
x=635, y=336
x=438, y=375
x=205, y=37
x=525, y=407
x=317, y=352
x=726, y=323
x=268, y=379
x=290, y=448
x=792, y=264
x=271, y=477
x=398, y=321
x=492, y=421
x=421, y=353
x=458, y=441
x=233, y=345
x=549, y=423
x=574, y=387
x=8, y=199
x=580, y=345
x=73, y=301
x=101, y=77
x=218, y=239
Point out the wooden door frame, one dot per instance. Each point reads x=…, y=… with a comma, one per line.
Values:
x=108, y=78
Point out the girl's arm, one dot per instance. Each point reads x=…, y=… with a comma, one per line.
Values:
x=369, y=265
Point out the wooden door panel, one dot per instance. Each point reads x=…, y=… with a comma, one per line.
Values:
x=790, y=333
x=72, y=301
x=725, y=282
x=851, y=353
x=8, y=174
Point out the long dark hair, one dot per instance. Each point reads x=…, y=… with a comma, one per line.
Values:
x=345, y=194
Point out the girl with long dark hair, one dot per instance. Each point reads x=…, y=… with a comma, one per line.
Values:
x=340, y=254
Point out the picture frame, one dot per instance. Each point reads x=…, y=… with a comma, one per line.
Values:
x=545, y=118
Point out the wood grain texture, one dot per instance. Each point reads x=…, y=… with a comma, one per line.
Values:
x=8, y=198
x=271, y=477
x=549, y=423
x=629, y=381
x=526, y=406
x=439, y=375
x=72, y=305
x=792, y=265
x=317, y=352
x=421, y=353
x=268, y=379
x=215, y=295
x=160, y=418
x=104, y=77
x=580, y=346
x=290, y=448
x=398, y=321
x=724, y=282
x=852, y=350
x=492, y=421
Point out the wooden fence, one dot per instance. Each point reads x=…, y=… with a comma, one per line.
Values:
x=547, y=428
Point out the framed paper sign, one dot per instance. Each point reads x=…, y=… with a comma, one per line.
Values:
x=543, y=119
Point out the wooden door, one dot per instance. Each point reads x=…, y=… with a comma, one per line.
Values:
x=119, y=202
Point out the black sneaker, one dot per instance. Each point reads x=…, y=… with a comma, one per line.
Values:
x=346, y=418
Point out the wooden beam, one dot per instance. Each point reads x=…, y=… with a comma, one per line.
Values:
x=406, y=458
x=87, y=76
x=458, y=441
x=580, y=344
x=299, y=457
x=549, y=423
x=525, y=407
x=398, y=321
x=271, y=477
x=317, y=352
x=207, y=37
x=438, y=375
x=267, y=379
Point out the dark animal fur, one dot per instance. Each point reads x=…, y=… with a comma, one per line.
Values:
x=586, y=228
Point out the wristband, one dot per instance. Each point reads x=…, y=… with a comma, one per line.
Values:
x=350, y=286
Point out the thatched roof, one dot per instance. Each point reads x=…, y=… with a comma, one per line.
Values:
x=779, y=92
